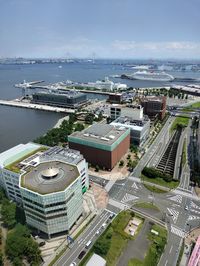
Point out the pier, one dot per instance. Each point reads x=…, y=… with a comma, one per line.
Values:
x=17, y=103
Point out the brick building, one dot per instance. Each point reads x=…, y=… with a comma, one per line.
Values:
x=154, y=106
x=101, y=144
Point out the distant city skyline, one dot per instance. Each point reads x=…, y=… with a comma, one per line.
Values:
x=101, y=29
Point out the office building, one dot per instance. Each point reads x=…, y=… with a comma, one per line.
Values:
x=154, y=106
x=101, y=144
x=139, y=129
x=48, y=182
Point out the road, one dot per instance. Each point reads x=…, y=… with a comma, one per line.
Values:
x=155, y=147
x=71, y=255
x=179, y=210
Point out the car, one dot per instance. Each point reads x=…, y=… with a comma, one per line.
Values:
x=186, y=208
x=112, y=215
x=103, y=225
x=97, y=232
x=42, y=243
x=80, y=256
x=73, y=264
x=88, y=244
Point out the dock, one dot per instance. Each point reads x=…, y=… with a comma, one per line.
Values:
x=20, y=104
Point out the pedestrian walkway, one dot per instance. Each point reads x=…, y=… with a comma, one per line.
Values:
x=174, y=213
x=109, y=185
x=178, y=231
x=117, y=204
x=193, y=217
x=177, y=198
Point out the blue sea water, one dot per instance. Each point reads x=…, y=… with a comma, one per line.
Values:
x=22, y=125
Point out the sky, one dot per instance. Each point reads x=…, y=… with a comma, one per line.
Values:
x=100, y=28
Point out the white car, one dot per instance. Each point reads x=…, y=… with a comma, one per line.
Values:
x=97, y=232
x=73, y=264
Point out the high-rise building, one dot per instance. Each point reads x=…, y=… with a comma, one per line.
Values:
x=48, y=182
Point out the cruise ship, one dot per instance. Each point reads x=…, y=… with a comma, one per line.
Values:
x=149, y=75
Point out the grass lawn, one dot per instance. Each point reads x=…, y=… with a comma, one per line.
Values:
x=179, y=121
x=113, y=241
x=135, y=262
x=156, y=248
x=155, y=189
x=184, y=153
x=195, y=105
x=146, y=205
x=161, y=182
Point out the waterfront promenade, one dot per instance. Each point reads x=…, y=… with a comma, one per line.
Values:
x=17, y=103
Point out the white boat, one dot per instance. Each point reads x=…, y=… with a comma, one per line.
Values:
x=151, y=75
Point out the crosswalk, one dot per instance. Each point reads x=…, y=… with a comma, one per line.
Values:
x=177, y=198
x=177, y=231
x=128, y=197
x=174, y=213
x=195, y=206
x=193, y=217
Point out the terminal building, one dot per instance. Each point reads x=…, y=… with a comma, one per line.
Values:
x=154, y=106
x=139, y=129
x=101, y=144
x=61, y=98
x=48, y=182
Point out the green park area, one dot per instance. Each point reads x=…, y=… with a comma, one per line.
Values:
x=59, y=136
x=158, y=241
x=179, y=122
x=113, y=241
x=195, y=105
x=152, y=175
x=17, y=245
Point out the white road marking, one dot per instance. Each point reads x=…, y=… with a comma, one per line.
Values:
x=128, y=197
x=177, y=198
x=174, y=213
x=170, y=249
x=177, y=231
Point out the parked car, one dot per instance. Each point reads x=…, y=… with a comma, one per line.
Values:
x=42, y=243
x=80, y=256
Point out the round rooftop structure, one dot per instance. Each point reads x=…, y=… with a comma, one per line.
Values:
x=50, y=172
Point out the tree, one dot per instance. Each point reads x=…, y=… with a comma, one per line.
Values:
x=19, y=244
x=89, y=118
x=121, y=163
x=97, y=168
x=1, y=259
x=8, y=212
x=2, y=195
x=79, y=127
